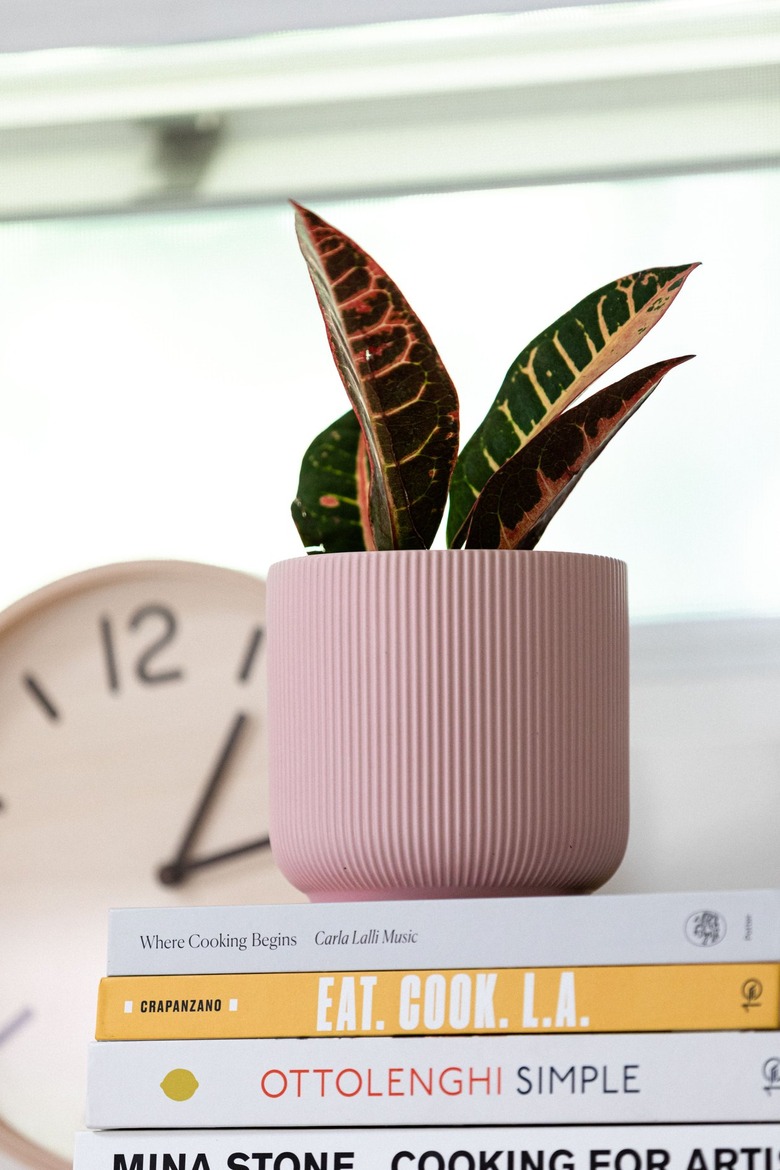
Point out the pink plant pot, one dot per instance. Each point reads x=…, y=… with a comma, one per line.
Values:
x=447, y=723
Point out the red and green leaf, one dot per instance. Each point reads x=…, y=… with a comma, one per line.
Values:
x=521, y=498
x=331, y=508
x=404, y=400
x=551, y=372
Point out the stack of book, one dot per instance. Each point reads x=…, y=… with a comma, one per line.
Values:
x=611, y=1032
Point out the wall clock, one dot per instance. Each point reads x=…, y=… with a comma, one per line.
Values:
x=132, y=765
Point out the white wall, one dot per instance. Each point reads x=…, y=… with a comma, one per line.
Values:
x=705, y=757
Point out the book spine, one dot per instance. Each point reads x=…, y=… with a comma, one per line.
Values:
x=687, y=997
x=729, y=1146
x=440, y=1080
x=599, y=930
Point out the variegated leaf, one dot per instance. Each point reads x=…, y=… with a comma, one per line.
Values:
x=331, y=508
x=518, y=502
x=550, y=373
x=400, y=391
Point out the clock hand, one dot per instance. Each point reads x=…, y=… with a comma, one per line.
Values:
x=174, y=871
x=173, y=877
x=12, y=1026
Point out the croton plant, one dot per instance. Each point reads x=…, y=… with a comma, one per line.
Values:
x=380, y=477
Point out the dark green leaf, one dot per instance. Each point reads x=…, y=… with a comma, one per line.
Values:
x=332, y=488
x=551, y=372
x=518, y=502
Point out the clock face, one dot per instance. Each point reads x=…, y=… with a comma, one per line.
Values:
x=132, y=773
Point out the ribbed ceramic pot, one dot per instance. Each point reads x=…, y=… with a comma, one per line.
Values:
x=447, y=723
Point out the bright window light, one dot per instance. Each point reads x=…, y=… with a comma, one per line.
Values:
x=162, y=374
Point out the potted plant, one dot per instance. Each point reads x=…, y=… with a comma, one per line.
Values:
x=452, y=722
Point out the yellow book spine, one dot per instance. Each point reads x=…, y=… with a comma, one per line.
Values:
x=687, y=997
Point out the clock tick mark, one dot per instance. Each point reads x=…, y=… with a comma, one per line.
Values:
x=255, y=642
x=107, y=638
x=16, y=1022
x=34, y=687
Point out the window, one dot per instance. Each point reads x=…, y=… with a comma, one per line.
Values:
x=163, y=368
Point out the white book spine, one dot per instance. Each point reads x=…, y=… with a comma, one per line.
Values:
x=477, y=1080
x=721, y=926
x=727, y=1146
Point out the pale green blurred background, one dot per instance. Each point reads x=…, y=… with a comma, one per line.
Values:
x=162, y=360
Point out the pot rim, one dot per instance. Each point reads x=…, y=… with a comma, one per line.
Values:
x=470, y=553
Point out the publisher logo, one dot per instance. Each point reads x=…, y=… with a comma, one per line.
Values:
x=705, y=928
x=752, y=990
x=771, y=1072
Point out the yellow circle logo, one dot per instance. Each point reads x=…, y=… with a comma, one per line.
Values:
x=179, y=1084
